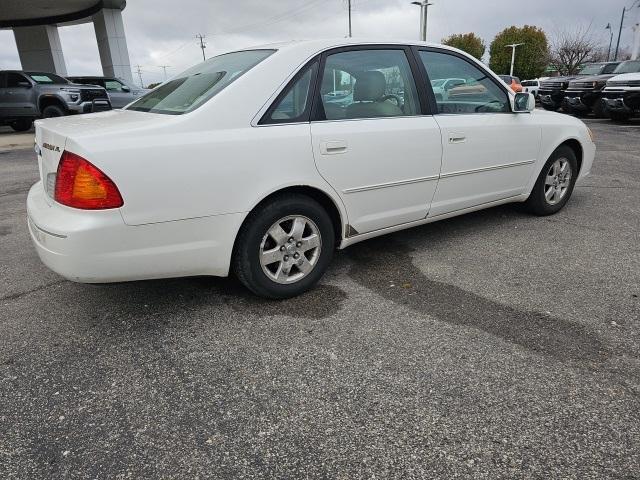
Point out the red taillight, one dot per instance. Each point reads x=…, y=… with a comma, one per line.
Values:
x=79, y=184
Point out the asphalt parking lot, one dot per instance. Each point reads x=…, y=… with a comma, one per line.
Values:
x=493, y=345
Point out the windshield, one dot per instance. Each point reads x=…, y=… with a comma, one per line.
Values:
x=593, y=69
x=198, y=84
x=45, y=78
x=631, y=66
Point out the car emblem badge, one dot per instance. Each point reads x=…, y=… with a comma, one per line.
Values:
x=53, y=148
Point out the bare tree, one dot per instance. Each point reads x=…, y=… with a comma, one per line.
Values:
x=572, y=48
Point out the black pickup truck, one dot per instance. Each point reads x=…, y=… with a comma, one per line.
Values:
x=584, y=95
x=552, y=91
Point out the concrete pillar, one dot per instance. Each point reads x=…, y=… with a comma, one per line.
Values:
x=40, y=49
x=635, y=52
x=112, y=43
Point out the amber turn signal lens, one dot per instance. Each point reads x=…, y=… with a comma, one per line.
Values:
x=79, y=184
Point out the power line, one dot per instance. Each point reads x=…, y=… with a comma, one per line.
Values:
x=203, y=45
x=164, y=68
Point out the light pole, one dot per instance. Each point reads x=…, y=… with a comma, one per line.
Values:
x=608, y=27
x=424, y=6
x=513, y=55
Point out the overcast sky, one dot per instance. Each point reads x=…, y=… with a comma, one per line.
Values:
x=162, y=32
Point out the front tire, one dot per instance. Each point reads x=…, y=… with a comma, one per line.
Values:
x=52, y=111
x=284, y=247
x=555, y=183
x=599, y=109
x=21, y=125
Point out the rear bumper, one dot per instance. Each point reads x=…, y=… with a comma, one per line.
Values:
x=98, y=247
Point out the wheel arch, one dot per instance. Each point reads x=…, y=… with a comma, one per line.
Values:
x=577, y=148
x=329, y=203
x=47, y=100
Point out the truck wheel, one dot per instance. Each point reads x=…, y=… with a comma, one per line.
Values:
x=284, y=247
x=555, y=183
x=51, y=111
x=599, y=109
x=619, y=117
x=21, y=125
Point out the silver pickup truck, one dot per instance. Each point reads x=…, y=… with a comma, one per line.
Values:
x=26, y=96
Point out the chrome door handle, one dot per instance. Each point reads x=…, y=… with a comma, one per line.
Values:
x=457, y=138
x=333, y=147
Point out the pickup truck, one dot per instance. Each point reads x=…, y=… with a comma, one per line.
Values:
x=584, y=95
x=552, y=91
x=621, y=96
x=26, y=96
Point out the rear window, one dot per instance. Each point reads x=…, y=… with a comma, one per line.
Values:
x=46, y=78
x=529, y=83
x=195, y=86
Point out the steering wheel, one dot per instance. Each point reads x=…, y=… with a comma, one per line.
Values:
x=395, y=98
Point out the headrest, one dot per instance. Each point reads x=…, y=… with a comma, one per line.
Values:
x=369, y=86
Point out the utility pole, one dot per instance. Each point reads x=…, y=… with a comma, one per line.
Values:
x=349, y=7
x=513, y=55
x=139, y=72
x=424, y=7
x=164, y=68
x=608, y=27
x=624, y=10
x=203, y=45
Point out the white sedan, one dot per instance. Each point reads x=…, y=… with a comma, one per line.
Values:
x=244, y=163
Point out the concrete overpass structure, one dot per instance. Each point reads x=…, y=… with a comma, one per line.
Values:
x=35, y=27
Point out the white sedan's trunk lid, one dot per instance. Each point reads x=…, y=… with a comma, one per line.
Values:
x=53, y=135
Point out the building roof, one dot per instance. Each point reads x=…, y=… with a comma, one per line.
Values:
x=22, y=13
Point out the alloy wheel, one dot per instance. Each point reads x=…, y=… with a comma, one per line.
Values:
x=290, y=249
x=557, y=181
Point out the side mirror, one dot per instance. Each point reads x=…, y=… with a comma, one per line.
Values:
x=523, y=103
x=125, y=88
x=24, y=84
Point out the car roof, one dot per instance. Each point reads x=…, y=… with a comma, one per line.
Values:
x=327, y=43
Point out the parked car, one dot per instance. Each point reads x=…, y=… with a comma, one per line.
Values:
x=584, y=95
x=621, y=96
x=121, y=93
x=532, y=86
x=25, y=96
x=441, y=87
x=241, y=164
x=513, y=82
x=552, y=91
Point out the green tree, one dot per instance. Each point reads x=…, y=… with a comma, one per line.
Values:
x=467, y=42
x=532, y=58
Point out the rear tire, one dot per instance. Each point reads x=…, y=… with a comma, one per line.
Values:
x=555, y=183
x=52, y=111
x=21, y=125
x=266, y=259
